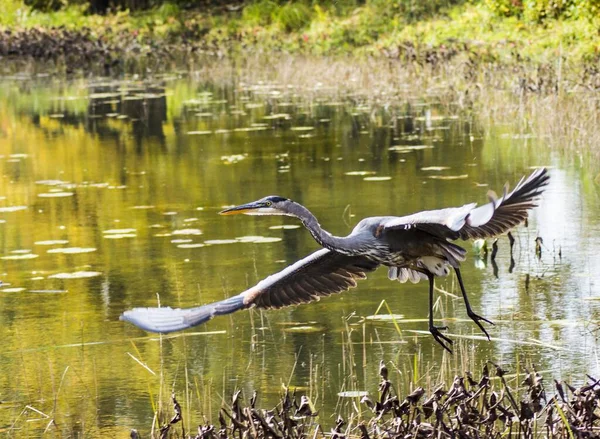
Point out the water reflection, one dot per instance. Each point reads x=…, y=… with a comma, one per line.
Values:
x=147, y=165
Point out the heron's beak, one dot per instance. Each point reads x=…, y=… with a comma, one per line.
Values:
x=248, y=209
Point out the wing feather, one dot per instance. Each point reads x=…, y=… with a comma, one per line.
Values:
x=469, y=221
x=318, y=275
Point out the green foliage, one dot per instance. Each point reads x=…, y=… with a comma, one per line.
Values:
x=289, y=16
x=533, y=29
x=259, y=13
x=540, y=10
x=292, y=16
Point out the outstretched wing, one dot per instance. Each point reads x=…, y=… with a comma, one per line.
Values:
x=496, y=217
x=320, y=274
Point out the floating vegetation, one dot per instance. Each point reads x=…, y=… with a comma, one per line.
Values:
x=52, y=242
x=19, y=257
x=120, y=235
x=221, y=241
x=52, y=182
x=47, y=291
x=12, y=209
x=12, y=290
x=72, y=250
x=285, y=227
x=435, y=168
x=448, y=177
x=143, y=207
x=258, y=239
x=75, y=275
x=187, y=232
x=248, y=129
x=302, y=128
x=360, y=173
x=199, y=133
x=408, y=148
x=181, y=241
x=385, y=317
x=278, y=116
x=56, y=194
x=305, y=329
x=118, y=231
x=196, y=245
x=382, y=178
x=234, y=158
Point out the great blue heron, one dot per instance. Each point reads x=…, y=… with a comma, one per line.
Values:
x=413, y=247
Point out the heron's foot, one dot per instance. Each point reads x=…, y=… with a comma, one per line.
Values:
x=478, y=319
x=444, y=341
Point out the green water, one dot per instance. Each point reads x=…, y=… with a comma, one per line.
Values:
x=109, y=198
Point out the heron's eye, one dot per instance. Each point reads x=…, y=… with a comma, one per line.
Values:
x=268, y=203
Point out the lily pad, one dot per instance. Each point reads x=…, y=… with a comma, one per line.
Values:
x=118, y=231
x=407, y=148
x=12, y=290
x=385, y=317
x=435, y=168
x=307, y=329
x=382, y=178
x=12, y=209
x=449, y=177
x=76, y=275
x=18, y=257
x=56, y=195
x=360, y=173
x=52, y=242
x=72, y=250
x=120, y=236
x=258, y=239
x=221, y=241
x=187, y=232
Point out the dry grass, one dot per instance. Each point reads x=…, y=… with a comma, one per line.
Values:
x=557, y=104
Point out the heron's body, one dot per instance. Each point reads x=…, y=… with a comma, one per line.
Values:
x=413, y=247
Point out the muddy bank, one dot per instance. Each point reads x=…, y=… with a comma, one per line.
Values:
x=126, y=51
x=77, y=50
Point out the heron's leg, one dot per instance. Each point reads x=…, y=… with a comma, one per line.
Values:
x=435, y=330
x=476, y=318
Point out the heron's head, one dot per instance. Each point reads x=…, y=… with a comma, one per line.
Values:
x=271, y=205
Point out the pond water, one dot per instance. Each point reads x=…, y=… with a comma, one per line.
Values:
x=109, y=198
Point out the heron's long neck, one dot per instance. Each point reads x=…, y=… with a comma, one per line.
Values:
x=323, y=237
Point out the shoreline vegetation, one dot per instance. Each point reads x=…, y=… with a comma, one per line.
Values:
x=562, y=34
x=471, y=408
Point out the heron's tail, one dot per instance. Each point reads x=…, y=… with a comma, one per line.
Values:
x=502, y=214
x=167, y=319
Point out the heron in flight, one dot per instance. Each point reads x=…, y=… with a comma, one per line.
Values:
x=414, y=247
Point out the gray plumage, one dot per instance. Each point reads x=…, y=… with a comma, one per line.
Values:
x=413, y=247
